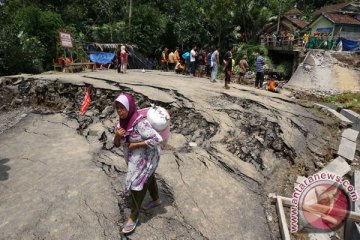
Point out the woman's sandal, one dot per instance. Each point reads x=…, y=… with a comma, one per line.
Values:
x=150, y=205
x=130, y=227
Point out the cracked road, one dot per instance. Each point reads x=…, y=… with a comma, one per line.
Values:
x=61, y=178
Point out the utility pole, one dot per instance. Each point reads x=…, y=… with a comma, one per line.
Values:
x=130, y=12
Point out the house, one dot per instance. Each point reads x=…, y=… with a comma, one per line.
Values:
x=337, y=20
x=290, y=22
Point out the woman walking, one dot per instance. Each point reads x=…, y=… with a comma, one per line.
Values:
x=141, y=144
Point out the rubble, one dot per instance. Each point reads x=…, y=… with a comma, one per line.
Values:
x=324, y=73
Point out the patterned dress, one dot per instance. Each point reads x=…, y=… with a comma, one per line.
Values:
x=141, y=162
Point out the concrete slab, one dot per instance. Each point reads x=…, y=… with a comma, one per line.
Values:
x=341, y=117
x=350, y=134
x=338, y=166
x=347, y=149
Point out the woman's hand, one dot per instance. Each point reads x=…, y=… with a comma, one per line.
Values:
x=118, y=135
x=120, y=132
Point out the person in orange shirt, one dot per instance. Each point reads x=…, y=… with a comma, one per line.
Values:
x=271, y=84
x=68, y=60
x=180, y=66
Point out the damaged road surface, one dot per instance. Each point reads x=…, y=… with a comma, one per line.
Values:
x=62, y=178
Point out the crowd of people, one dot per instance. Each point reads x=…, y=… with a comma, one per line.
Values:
x=206, y=62
x=286, y=38
x=283, y=38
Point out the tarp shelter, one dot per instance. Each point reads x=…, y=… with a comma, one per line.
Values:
x=349, y=45
x=102, y=57
x=135, y=60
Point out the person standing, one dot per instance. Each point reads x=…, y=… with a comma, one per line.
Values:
x=204, y=62
x=164, y=60
x=171, y=60
x=186, y=57
x=228, y=67
x=208, y=64
x=177, y=55
x=141, y=146
x=124, y=60
x=193, y=56
x=260, y=62
x=214, y=64
x=244, y=67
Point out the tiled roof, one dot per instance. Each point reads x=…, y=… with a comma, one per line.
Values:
x=297, y=22
x=343, y=19
x=293, y=12
x=330, y=8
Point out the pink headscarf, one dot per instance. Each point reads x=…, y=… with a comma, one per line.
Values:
x=133, y=117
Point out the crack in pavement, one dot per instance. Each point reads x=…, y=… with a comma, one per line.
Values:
x=97, y=217
x=187, y=190
x=41, y=134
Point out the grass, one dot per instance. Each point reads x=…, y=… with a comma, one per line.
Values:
x=347, y=100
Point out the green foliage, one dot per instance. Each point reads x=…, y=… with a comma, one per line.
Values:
x=154, y=24
x=190, y=29
x=147, y=26
x=348, y=100
x=250, y=50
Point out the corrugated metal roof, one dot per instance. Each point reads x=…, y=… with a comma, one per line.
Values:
x=341, y=19
x=330, y=8
x=297, y=22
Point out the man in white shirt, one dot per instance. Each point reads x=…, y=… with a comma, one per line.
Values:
x=193, y=56
x=214, y=64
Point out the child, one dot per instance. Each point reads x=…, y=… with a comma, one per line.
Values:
x=271, y=84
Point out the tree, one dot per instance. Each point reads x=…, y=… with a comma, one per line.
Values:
x=148, y=25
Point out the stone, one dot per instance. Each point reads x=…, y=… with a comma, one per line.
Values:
x=319, y=164
x=107, y=111
x=338, y=166
x=347, y=149
x=350, y=134
x=92, y=133
x=260, y=139
x=307, y=67
x=244, y=150
x=345, y=121
x=309, y=60
x=192, y=144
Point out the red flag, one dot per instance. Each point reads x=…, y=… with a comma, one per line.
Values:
x=86, y=102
